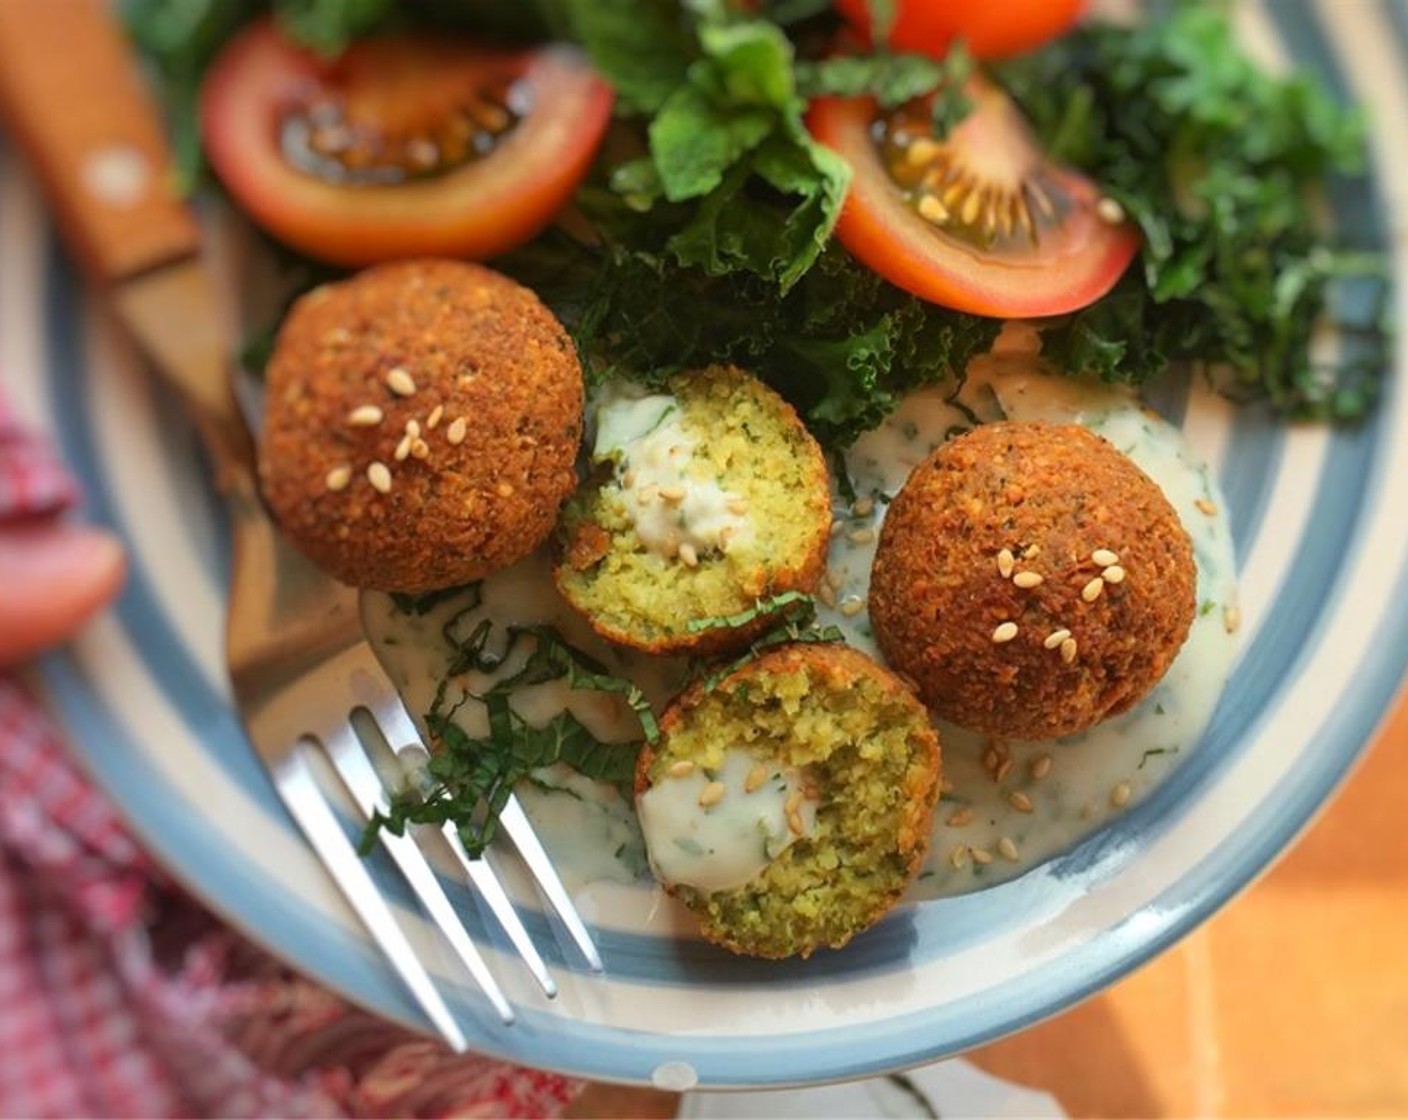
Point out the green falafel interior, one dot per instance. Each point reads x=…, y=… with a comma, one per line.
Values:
x=789, y=807
x=705, y=499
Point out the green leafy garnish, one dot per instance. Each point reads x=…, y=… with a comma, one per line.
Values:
x=1154, y=753
x=469, y=780
x=179, y=38
x=731, y=179
x=327, y=26
x=1219, y=163
x=796, y=625
x=842, y=345
x=890, y=79
x=705, y=231
x=786, y=606
x=553, y=658
x=644, y=48
x=713, y=245
x=417, y=605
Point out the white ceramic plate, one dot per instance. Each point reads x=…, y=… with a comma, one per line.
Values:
x=1321, y=526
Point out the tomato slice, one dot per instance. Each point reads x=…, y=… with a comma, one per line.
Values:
x=988, y=28
x=402, y=146
x=981, y=221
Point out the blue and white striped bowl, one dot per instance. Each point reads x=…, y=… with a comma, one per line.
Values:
x=1321, y=525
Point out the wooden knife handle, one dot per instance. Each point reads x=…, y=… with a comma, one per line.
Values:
x=71, y=96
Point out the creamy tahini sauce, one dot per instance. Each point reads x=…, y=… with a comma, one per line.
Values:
x=669, y=495
x=723, y=844
x=983, y=832
x=593, y=821
x=417, y=656
x=1074, y=784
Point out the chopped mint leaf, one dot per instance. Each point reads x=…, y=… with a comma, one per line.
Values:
x=470, y=780
x=789, y=604
x=417, y=605
x=1154, y=753
x=797, y=624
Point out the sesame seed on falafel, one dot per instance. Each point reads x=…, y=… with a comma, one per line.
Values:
x=956, y=604
x=354, y=470
x=708, y=498
x=789, y=805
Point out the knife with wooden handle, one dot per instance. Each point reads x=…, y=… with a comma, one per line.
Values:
x=71, y=96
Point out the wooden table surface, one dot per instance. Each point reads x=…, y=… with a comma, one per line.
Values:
x=1291, y=1002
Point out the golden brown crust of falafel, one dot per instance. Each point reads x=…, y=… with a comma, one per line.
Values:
x=937, y=596
x=830, y=666
x=581, y=543
x=477, y=345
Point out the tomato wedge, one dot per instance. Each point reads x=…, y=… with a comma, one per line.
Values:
x=988, y=28
x=402, y=146
x=980, y=221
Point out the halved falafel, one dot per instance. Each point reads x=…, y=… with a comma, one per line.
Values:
x=708, y=498
x=790, y=805
x=1031, y=580
x=422, y=425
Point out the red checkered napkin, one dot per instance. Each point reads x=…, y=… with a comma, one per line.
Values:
x=120, y=996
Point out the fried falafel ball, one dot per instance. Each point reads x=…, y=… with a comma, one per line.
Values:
x=422, y=424
x=790, y=805
x=708, y=498
x=1031, y=581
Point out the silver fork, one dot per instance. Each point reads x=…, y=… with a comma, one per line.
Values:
x=300, y=665
x=302, y=672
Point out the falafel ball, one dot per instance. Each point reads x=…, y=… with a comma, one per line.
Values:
x=790, y=805
x=1031, y=581
x=422, y=423
x=709, y=497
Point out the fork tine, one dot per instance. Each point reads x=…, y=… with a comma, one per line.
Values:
x=400, y=730
x=492, y=891
x=520, y=830
x=395, y=721
x=300, y=793
x=362, y=781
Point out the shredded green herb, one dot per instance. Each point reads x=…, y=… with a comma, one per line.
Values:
x=797, y=624
x=787, y=606
x=1154, y=753
x=1222, y=166
x=468, y=780
x=553, y=658
x=417, y=605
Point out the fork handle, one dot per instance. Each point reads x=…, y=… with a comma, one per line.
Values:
x=72, y=98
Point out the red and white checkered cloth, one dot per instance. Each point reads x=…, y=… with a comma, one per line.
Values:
x=120, y=996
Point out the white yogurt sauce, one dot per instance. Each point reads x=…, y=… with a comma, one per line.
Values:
x=1072, y=785
x=723, y=844
x=589, y=826
x=1004, y=806
x=670, y=497
x=592, y=820
x=414, y=650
